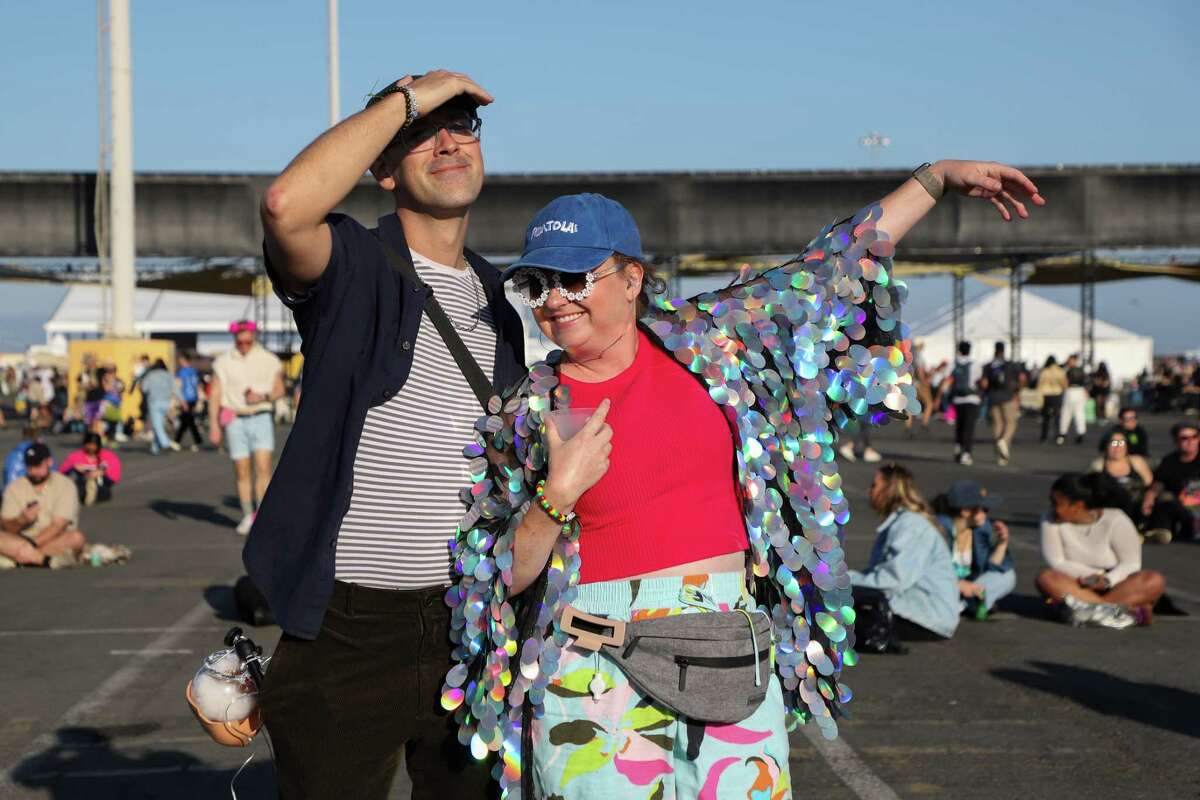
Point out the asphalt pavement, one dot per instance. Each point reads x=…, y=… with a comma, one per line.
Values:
x=1015, y=706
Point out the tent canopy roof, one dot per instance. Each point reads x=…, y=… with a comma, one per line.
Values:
x=157, y=310
x=987, y=318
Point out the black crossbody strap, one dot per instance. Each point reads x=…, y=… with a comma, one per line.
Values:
x=467, y=364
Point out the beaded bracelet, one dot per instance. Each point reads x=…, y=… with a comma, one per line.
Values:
x=552, y=512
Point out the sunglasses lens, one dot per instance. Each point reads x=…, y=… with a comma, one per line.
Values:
x=573, y=281
x=528, y=284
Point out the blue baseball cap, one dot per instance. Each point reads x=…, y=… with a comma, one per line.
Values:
x=576, y=233
x=969, y=494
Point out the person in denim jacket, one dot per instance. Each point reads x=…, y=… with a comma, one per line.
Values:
x=910, y=562
x=978, y=547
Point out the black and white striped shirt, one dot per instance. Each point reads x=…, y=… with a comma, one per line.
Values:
x=409, y=467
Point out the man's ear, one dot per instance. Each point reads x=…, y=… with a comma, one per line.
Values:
x=382, y=173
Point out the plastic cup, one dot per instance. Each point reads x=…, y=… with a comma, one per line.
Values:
x=569, y=421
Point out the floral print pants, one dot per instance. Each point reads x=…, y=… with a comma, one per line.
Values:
x=599, y=737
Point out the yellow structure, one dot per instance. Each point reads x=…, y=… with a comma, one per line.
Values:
x=124, y=355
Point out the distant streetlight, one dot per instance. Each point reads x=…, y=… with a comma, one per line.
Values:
x=335, y=105
x=875, y=142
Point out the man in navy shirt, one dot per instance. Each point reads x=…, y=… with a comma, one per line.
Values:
x=350, y=546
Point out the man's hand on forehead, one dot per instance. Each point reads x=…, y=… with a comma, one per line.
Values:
x=433, y=89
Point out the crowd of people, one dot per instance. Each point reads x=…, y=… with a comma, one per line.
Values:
x=1066, y=396
x=933, y=563
x=42, y=497
x=350, y=547
x=171, y=410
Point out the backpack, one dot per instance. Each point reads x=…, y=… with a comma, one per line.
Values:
x=997, y=377
x=962, y=379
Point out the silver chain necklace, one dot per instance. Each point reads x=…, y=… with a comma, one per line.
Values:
x=478, y=301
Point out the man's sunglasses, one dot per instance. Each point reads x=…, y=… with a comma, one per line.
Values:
x=421, y=136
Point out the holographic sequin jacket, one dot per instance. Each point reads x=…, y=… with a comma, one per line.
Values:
x=794, y=357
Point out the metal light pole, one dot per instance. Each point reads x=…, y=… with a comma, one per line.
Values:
x=335, y=105
x=960, y=304
x=122, y=230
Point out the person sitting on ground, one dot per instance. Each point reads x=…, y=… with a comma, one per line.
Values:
x=1135, y=434
x=14, y=462
x=39, y=514
x=94, y=470
x=910, y=573
x=978, y=547
x=1094, y=557
x=1172, y=503
x=1131, y=475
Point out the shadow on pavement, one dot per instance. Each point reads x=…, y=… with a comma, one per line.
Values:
x=1030, y=606
x=221, y=598
x=201, y=512
x=1165, y=707
x=83, y=765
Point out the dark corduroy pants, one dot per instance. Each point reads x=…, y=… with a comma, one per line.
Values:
x=340, y=709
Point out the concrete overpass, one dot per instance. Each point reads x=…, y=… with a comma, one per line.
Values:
x=714, y=214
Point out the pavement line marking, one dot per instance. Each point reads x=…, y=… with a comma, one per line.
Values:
x=110, y=631
x=148, y=652
x=849, y=768
x=116, y=684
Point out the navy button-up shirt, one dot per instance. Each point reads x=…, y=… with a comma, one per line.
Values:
x=358, y=324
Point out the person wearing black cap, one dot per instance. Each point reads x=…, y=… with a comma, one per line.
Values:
x=349, y=544
x=978, y=545
x=1173, y=502
x=39, y=514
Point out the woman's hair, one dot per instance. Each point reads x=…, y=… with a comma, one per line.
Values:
x=92, y=438
x=901, y=492
x=1050, y=362
x=1108, y=437
x=652, y=282
x=1093, y=489
x=1102, y=370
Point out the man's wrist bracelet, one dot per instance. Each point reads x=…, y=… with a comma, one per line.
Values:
x=411, y=112
x=924, y=176
x=410, y=105
x=552, y=512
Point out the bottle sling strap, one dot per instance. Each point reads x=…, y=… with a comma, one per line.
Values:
x=467, y=364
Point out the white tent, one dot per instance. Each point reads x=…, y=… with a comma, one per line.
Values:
x=158, y=312
x=1047, y=329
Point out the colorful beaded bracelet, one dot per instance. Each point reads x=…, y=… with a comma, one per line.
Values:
x=548, y=507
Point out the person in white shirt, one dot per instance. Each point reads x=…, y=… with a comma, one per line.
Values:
x=1094, y=557
x=245, y=385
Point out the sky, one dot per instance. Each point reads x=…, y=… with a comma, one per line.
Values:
x=241, y=87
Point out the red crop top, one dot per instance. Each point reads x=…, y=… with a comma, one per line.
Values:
x=670, y=495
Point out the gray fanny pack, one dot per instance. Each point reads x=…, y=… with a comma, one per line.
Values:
x=710, y=667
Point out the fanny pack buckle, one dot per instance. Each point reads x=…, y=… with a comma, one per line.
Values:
x=589, y=630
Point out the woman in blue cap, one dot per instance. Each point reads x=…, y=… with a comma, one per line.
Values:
x=979, y=547
x=702, y=493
